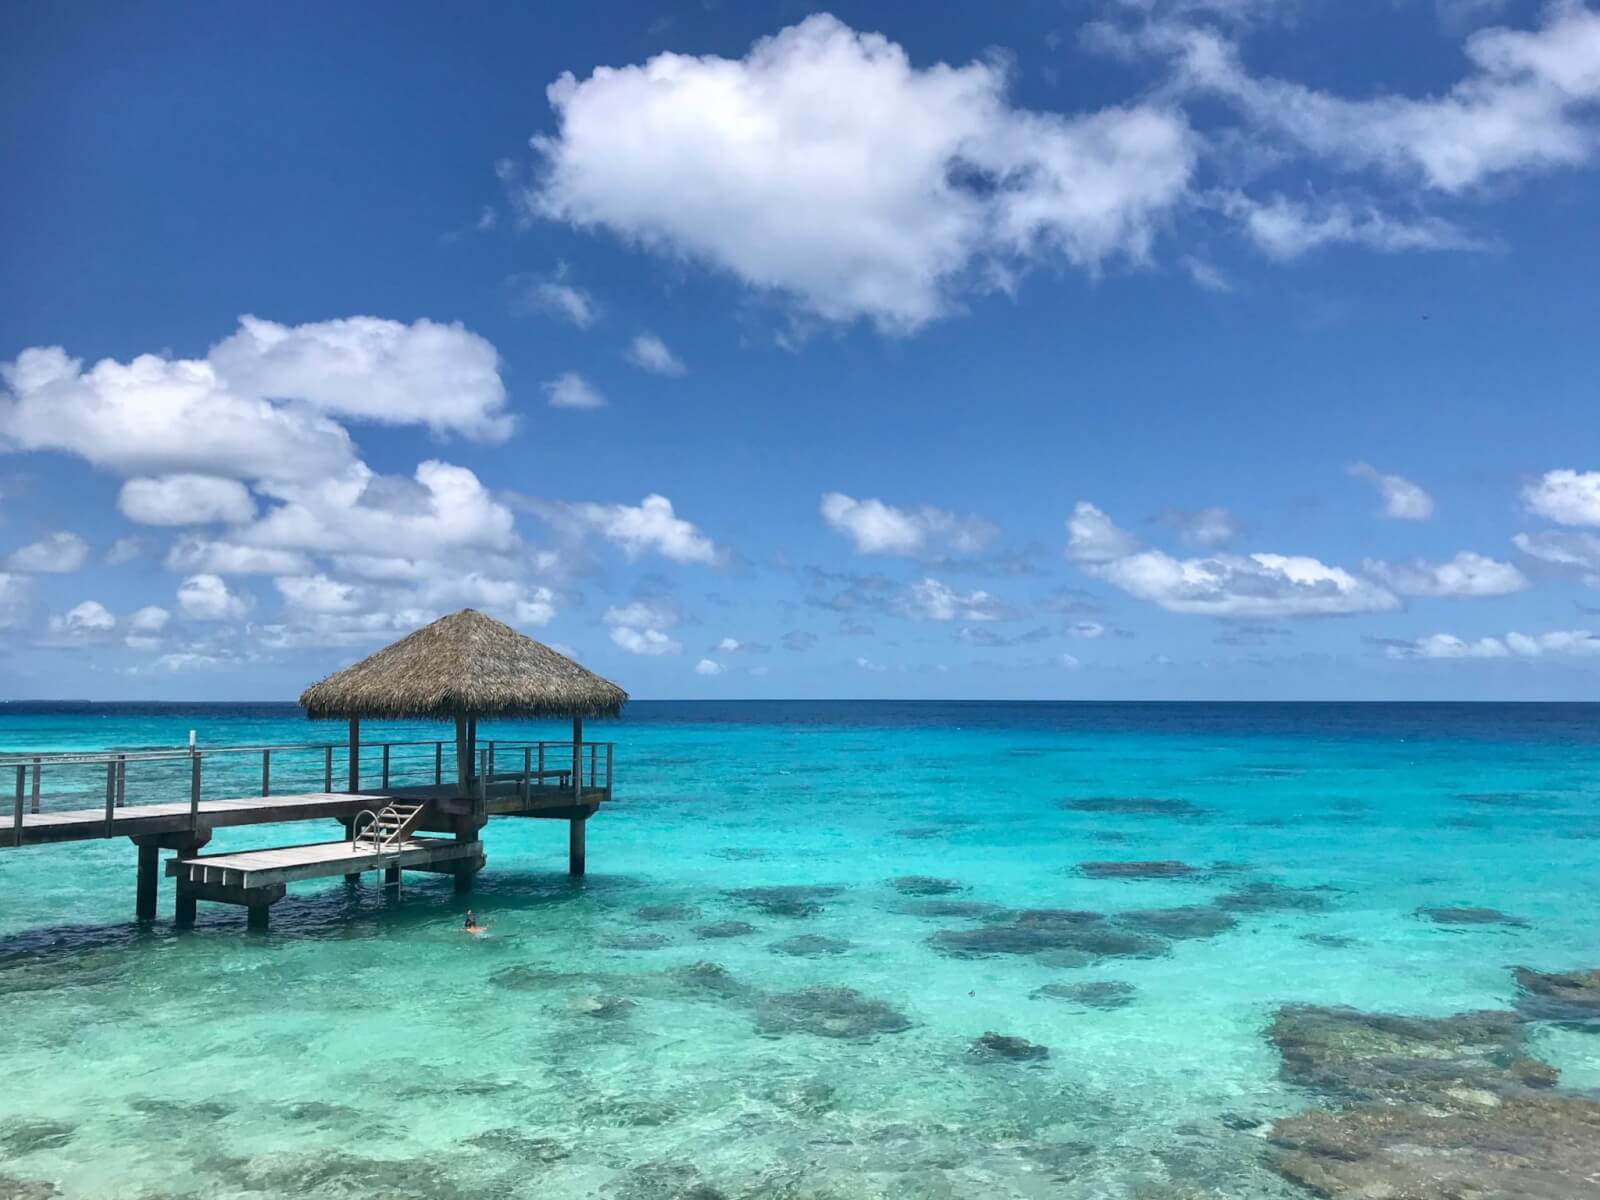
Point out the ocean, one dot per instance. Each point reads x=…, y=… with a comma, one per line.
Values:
x=800, y=922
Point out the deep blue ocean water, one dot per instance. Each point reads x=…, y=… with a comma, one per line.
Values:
x=365, y=1047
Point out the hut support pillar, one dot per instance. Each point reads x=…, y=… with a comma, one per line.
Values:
x=149, y=866
x=577, y=758
x=463, y=759
x=183, y=915
x=577, y=829
x=355, y=756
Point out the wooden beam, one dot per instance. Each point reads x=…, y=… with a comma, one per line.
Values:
x=355, y=754
x=575, y=845
x=149, y=878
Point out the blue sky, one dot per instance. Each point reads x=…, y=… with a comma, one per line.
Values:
x=1113, y=349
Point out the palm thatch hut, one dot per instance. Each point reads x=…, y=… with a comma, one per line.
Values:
x=463, y=667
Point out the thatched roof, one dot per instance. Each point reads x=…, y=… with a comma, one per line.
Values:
x=464, y=665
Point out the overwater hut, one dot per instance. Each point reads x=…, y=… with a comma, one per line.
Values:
x=467, y=667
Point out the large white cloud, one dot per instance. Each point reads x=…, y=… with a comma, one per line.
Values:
x=879, y=528
x=933, y=600
x=208, y=598
x=1566, y=497
x=259, y=406
x=1561, y=643
x=1093, y=537
x=1467, y=574
x=651, y=526
x=1526, y=105
x=825, y=166
x=82, y=622
x=444, y=377
x=192, y=554
x=186, y=500
x=58, y=553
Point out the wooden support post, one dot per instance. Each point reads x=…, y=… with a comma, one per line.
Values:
x=491, y=759
x=184, y=913
x=111, y=794
x=149, y=874
x=577, y=758
x=576, y=828
x=527, y=775
x=609, y=747
x=257, y=916
x=327, y=768
x=16, y=816
x=37, y=766
x=266, y=772
x=463, y=759
x=194, y=794
x=122, y=779
x=438, y=763
x=355, y=754
x=386, y=766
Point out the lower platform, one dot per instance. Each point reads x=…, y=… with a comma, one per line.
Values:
x=253, y=869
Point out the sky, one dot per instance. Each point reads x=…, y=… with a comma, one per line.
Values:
x=1057, y=349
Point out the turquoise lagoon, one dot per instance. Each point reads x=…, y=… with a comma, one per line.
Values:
x=366, y=1047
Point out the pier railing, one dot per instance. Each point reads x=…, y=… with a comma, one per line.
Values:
x=63, y=781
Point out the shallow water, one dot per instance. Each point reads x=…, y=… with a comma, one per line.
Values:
x=366, y=1047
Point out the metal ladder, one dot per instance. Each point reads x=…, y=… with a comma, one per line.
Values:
x=387, y=829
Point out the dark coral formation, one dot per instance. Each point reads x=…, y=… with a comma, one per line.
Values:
x=725, y=929
x=1261, y=896
x=1013, y=1049
x=1470, y=916
x=1167, y=869
x=926, y=885
x=1133, y=806
x=951, y=909
x=1187, y=921
x=636, y=941
x=1435, y=1109
x=1100, y=993
x=834, y=1012
x=1043, y=930
x=667, y=912
x=1570, y=999
x=786, y=900
x=810, y=945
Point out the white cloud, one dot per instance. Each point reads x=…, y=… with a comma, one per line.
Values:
x=1467, y=574
x=640, y=612
x=571, y=390
x=1224, y=585
x=318, y=593
x=1208, y=528
x=1522, y=108
x=1068, y=662
x=207, y=598
x=1566, y=497
x=186, y=500
x=1570, y=643
x=729, y=645
x=825, y=167
x=124, y=550
x=561, y=298
x=931, y=600
x=538, y=607
x=644, y=641
x=160, y=416
x=16, y=598
x=86, y=620
x=197, y=555
x=152, y=618
x=879, y=528
x=1564, y=549
x=1204, y=274
x=866, y=664
x=1402, y=499
x=444, y=377
x=1088, y=630
x=707, y=667
x=650, y=353
x=1284, y=229
x=651, y=526
x=59, y=553
x=1093, y=537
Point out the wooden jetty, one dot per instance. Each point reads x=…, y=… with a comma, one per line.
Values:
x=461, y=668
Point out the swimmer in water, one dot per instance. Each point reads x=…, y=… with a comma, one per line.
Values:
x=472, y=925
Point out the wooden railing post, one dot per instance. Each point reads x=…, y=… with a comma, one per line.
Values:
x=438, y=763
x=327, y=768
x=386, y=766
x=37, y=766
x=111, y=793
x=16, y=816
x=194, y=790
x=609, y=748
x=491, y=759
x=594, y=758
x=484, y=762
x=527, y=775
x=541, y=764
x=122, y=780
x=266, y=772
